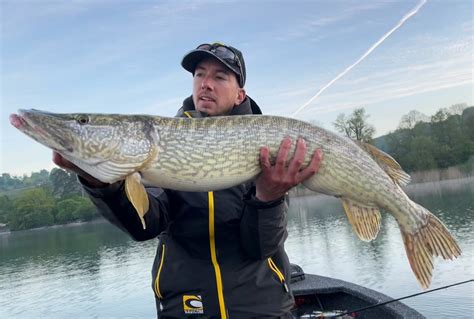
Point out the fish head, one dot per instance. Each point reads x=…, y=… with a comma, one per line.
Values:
x=107, y=146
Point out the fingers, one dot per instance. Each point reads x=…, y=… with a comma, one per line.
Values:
x=313, y=166
x=294, y=166
x=277, y=179
x=265, y=159
x=280, y=163
x=292, y=171
x=298, y=158
x=65, y=164
x=59, y=160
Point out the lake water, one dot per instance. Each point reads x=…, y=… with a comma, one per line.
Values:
x=94, y=270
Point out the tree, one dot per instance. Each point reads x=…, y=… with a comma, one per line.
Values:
x=65, y=211
x=447, y=140
x=8, y=182
x=33, y=208
x=356, y=126
x=85, y=209
x=421, y=155
x=468, y=123
x=457, y=108
x=413, y=117
x=64, y=183
x=440, y=116
x=75, y=208
x=341, y=125
x=6, y=206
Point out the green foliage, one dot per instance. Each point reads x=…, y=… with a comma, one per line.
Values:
x=36, y=179
x=66, y=209
x=64, y=183
x=33, y=208
x=447, y=140
x=86, y=209
x=6, y=206
x=43, y=199
x=74, y=209
x=8, y=182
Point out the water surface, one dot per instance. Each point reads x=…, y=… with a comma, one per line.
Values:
x=94, y=270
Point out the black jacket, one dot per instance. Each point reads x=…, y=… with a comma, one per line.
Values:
x=221, y=254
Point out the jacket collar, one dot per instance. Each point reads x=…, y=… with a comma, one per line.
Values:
x=248, y=106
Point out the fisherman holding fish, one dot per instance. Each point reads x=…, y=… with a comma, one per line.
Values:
x=221, y=254
x=218, y=204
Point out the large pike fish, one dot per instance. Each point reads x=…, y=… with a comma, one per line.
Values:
x=219, y=152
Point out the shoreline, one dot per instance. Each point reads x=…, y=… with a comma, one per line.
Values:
x=419, y=188
x=100, y=219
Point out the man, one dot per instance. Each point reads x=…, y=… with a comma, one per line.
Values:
x=221, y=254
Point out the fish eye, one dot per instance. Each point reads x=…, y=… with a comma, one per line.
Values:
x=82, y=119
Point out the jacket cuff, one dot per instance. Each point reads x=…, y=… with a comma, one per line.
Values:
x=251, y=200
x=101, y=191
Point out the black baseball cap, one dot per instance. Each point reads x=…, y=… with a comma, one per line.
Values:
x=228, y=55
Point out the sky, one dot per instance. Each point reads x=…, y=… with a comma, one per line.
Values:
x=124, y=57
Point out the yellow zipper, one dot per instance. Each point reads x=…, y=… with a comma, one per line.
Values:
x=277, y=271
x=157, y=280
x=212, y=243
x=217, y=269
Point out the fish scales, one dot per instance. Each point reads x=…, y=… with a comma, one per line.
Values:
x=218, y=152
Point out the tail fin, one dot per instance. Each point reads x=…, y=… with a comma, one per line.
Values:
x=432, y=239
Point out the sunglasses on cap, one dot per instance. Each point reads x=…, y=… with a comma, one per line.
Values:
x=224, y=53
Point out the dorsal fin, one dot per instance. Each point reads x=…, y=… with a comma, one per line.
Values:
x=387, y=163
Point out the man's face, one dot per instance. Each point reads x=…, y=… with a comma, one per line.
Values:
x=215, y=88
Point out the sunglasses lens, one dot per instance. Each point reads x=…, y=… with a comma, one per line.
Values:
x=220, y=51
x=204, y=47
x=225, y=53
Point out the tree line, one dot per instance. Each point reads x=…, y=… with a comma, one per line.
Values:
x=43, y=199
x=446, y=140
x=420, y=142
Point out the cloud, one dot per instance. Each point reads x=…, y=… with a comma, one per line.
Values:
x=421, y=64
x=332, y=21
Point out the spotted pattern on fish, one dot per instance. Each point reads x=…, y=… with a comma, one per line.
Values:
x=219, y=152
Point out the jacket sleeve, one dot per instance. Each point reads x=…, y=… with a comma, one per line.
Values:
x=263, y=228
x=114, y=205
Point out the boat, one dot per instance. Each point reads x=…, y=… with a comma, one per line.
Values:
x=324, y=297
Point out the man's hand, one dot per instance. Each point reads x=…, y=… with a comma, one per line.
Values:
x=276, y=180
x=67, y=165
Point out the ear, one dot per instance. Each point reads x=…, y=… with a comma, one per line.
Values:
x=240, y=96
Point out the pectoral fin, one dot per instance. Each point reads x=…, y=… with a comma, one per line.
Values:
x=137, y=195
x=365, y=220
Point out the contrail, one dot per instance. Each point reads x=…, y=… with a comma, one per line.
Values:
x=372, y=48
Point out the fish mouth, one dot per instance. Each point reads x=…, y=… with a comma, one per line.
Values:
x=29, y=122
x=21, y=122
x=17, y=121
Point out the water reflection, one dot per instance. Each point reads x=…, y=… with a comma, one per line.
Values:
x=321, y=241
x=78, y=271
x=94, y=270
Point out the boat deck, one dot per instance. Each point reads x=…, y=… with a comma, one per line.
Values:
x=335, y=294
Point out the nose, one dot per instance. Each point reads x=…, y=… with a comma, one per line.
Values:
x=206, y=83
